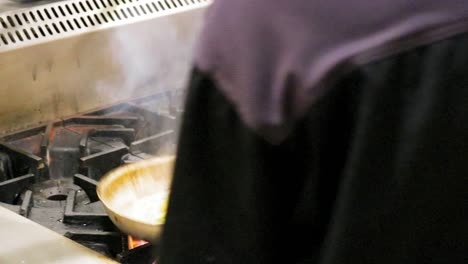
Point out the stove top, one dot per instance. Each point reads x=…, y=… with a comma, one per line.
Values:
x=49, y=173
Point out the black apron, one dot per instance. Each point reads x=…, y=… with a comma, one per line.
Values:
x=375, y=172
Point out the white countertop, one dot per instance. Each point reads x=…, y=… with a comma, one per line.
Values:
x=23, y=241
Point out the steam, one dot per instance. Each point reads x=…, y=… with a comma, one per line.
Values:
x=151, y=57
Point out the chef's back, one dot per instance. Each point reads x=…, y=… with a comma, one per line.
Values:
x=324, y=132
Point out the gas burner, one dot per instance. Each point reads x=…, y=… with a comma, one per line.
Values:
x=146, y=254
x=49, y=173
x=53, y=193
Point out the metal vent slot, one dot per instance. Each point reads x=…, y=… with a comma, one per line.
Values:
x=104, y=17
x=129, y=11
x=5, y=41
x=11, y=37
x=117, y=15
x=41, y=31
x=25, y=17
x=91, y=21
x=12, y=23
x=40, y=15
x=55, y=12
x=47, y=14
x=26, y=34
x=32, y=16
x=148, y=7
x=155, y=7
x=97, y=19
x=19, y=35
x=136, y=11
x=49, y=30
x=83, y=22
x=63, y=26
x=56, y=28
x=89, y=5
x=96, y=4
x=103, y=4
x=4, y=25
x=70, y=25
x=123, y=13
x=18, y=20
x=76, y=23
x=69, y=10
x=64, y=19
x=82, y=7
x=61, y=11
x=143, y=9
x=34, y=33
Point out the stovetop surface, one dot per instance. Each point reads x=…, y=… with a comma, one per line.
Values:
x=49, y=173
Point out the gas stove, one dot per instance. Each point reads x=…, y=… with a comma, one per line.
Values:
x=49, y=173
x=67, y=57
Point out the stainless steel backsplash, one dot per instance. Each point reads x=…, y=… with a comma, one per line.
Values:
x=63, y=58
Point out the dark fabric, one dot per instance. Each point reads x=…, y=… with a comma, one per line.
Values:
x=274, y=58
x=376, y=172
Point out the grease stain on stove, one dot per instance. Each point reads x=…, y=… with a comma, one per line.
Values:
x=34, y=73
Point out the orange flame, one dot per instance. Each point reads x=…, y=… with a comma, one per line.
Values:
x=134, y=243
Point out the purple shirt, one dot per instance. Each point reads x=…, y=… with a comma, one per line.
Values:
x=274, y=58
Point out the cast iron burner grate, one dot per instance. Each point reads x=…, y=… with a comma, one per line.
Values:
x=49, y=173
